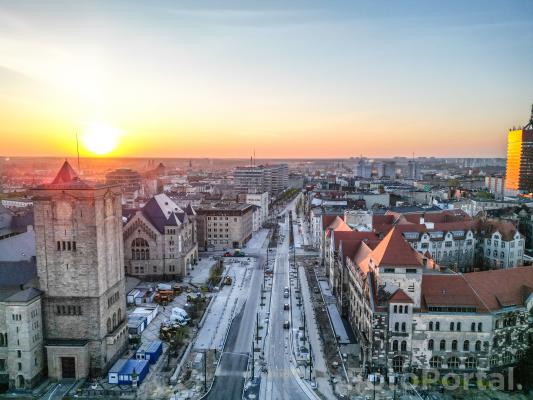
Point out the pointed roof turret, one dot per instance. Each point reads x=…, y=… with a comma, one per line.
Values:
x=65, y=175
x=394, y=250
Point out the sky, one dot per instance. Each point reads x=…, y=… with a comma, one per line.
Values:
x=307, y=79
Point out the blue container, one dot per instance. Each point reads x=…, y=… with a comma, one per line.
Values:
x=150, y=351
x=141, y=368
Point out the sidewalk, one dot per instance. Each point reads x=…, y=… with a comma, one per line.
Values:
x=319, y=363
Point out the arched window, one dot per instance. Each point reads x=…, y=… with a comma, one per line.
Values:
x=453, y=362
x=395, y=309
x=397, y=327
x=395, y=345
x=430, y=325
x=140, y=250
x=430, y=344
x=479, y=327
x=451, y=326
x=119, y=315
x=459, y=326
x=404, y=345
x=437, y=326
x=401, y=309
x=454, y=345
x=2, y=340
x=471, y=362
x=473, y=327
x=443, y=345
x=109, y=325
x=114, y=320
x=435, y=362
x=466, y=345
x=403, y=326
x=478, y=345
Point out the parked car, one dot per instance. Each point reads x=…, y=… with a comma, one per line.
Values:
x=286, y=306
x=286, y=325
x=286, y=295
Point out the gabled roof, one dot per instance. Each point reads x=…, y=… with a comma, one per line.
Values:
x=161, y=211
x=393, y=250
x=189, y=210
x=400, y=297
x=338, y=224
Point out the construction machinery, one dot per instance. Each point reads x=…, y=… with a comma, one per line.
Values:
x=227, y=280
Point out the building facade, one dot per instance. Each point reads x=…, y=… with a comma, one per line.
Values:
x=160, y=239
x=80, y=267
x=519, y=170
x=273, y=179
x=225, y=225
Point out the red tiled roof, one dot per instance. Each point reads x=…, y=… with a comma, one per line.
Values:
x=338, y=224
x=400, y=296
x=504, y=287
x=352, y=235
x=449, y=290
x=394, y=250
x=327, y=220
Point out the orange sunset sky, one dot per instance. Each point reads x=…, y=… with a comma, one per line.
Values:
x=290, y=79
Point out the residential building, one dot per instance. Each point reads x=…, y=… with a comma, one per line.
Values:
x=519, y=170
x=496, y=186
x=160, y=239
x=224, y=225
x=260, y=200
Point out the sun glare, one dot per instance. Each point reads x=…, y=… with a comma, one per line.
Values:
x=100, y=138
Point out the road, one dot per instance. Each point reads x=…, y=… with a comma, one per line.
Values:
x=280, y=382
x=229, y=378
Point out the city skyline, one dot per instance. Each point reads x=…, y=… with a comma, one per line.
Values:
x=328, y=81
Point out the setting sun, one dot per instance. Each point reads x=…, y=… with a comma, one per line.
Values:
x=100, y=138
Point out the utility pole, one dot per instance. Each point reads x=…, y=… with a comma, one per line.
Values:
x=310, y=360
x=205, y=370
x=257, y=327
x=253, y=361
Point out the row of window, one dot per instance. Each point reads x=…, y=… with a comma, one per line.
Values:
x=466, y=345
x=402, y=309
x=113, y=299
x=216, y=236
x=453, y=362
x=221, y=218
x=68, y=310
x=63, y=245
x=456, y=326
x=397, y=327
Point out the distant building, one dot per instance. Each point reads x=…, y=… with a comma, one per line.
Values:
x=130, y=182
x=17, y=237
x=496, y=186
x=224, y=225
x=412, y=169
x=363, y=168
x=519, y=174
x=273, y=179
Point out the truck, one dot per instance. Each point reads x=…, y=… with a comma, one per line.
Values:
x=164, y=296
x=227, y=280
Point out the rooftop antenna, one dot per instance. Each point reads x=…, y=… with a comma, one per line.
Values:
x=78, y=151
